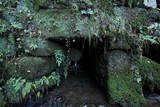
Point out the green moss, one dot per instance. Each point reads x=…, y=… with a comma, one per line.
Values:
x=122, y=87
x=150, y=72
x=54, y=20
x=121, y=84
x=74, y=25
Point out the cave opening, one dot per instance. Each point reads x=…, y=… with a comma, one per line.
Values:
x=152, y=51
x=80, y=87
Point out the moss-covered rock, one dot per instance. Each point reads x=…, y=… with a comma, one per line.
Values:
x=7, y=47
x=45, y=48
x=123, y=87
x=120, y=78
x=150, y=72
x=40, y=47
x=66, y=24
x=31, y=67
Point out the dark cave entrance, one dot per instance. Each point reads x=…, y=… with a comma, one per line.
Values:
x=158, y=3
x=80, y=88
x=152, y=51
x=82, y=77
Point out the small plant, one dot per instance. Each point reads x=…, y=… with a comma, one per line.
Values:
x=60, y=57
x=3, y=26
x=158, y=9
x=39, y=95
x=65, y=74
x=1, y=56
x=31, y=44
x=145, y=36
x=149, y=38
x=138, y=77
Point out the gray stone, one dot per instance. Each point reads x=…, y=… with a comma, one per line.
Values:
x=47, y=48
x=64, y=24
x=119, y=42
x=114, y=75
x=31, y=67
x=117, y=61
x=40, y=47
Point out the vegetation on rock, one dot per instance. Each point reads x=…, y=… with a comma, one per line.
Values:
x=38, y=44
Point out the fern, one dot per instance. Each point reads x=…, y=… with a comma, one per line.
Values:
x=158, y=9
x=18, y=88
x=26, y=90
x=149, y=38
x=145, y=36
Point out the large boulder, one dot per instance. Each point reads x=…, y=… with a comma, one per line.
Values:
x=120, y=78
x=66, y=24
x=31, y=67
x=118, y=60
x=40, y=47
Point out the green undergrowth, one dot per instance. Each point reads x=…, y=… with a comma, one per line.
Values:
x=17, y=89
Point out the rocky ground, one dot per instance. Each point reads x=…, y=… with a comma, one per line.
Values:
x=80, y=91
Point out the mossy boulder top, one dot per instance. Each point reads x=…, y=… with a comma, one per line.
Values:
x=65, y=24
